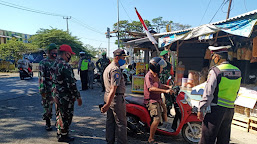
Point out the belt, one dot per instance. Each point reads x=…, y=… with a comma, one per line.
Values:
x=119, y=93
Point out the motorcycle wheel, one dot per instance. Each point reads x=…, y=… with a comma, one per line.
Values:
x=192, y=137
x=132, y=125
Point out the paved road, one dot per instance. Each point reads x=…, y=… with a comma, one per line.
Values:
x=21, y=123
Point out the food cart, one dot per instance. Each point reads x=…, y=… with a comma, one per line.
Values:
x=140, y=50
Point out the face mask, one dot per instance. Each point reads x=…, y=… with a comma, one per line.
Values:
x=121, y=62
x=54, y=55
x=89, y=60
x=68, y=58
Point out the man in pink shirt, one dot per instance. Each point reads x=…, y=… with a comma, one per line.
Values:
x=152, y=94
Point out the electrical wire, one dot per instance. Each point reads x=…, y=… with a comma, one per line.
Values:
x=28, y=9
x=8, y=4
x=224, y=11
x=205, y=12
x=98, y=40
x=217, y=10
x=75, y=20
x=125, y=11
x=245, y=6
x=85, y=26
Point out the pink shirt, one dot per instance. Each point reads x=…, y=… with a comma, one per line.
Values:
x=151, y=81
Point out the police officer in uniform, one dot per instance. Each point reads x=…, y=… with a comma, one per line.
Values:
x=45, y=84
x=114, y=99
x=91, y=67
x=104, y=62
x=83, y=70
x=220, y=94
x=64, y=92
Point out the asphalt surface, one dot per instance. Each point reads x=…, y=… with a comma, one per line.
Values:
x=21, y=122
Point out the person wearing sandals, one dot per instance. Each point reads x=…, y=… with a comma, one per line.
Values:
x=152, y=95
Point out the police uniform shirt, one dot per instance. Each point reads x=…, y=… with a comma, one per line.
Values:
x=113, y=77
x=208, y=90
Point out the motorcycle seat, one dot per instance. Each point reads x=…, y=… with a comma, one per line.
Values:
x=135, y=100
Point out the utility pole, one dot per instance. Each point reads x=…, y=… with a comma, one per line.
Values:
x=118, y=25
x=108, y=36
x=229, y=6
x=67, y=18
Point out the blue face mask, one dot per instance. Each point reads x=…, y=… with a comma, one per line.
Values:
x=89, y=60
x=121, y=62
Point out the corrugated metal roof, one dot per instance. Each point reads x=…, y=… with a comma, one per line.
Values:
x=236, y=17
x=179, y=31
x=140, y=40
x=168, y=33
x=219, y=22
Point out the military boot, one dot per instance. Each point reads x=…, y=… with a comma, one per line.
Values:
x=65, y=138
x=48, y=126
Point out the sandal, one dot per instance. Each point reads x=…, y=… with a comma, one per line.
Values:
x=152, y=142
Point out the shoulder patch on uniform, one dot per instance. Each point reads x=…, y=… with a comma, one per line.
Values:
x=209, y=75
x=116, y=75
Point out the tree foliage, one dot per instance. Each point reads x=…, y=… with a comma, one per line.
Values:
x=157, y=24
x=44, y=37
x=14, y=49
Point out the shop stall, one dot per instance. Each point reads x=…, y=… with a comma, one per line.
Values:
x=141, y=51
x=193, y=61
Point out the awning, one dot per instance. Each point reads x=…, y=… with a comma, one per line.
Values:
x=5, y=36
x=241, y=25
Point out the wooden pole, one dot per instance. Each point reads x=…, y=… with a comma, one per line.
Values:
x=157, y=50
x=229, y=6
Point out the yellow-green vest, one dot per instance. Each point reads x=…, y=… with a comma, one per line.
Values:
x=230, y=80
x=84, y=65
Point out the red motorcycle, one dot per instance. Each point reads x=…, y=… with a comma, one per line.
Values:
x=138, y=118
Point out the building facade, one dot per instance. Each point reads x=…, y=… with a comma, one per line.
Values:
x=7, y=35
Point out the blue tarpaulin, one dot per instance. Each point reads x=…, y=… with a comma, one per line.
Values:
x=240, y=25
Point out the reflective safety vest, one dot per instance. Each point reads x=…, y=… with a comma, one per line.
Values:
x=84, y=65
x=228, y=84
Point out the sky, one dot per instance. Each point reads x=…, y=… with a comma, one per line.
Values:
x=90, y=18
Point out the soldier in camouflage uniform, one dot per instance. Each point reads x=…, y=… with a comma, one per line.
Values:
x=65, y=92
x=45, y=84
x=104, y=62
x=164, y=75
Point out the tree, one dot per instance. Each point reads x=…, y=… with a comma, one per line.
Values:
x=178, y=26
x=159, y=24
x=14, y=49
x=44, y=37
x=125, y=27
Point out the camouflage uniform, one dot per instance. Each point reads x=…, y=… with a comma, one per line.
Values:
x=104, y=62
x=45, y=86
x=165, y=73
x=64, y=92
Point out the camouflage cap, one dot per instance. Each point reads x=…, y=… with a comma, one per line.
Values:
x=51, y=47
x=104, y=53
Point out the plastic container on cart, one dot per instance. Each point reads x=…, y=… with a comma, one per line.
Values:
x=184, y=82
x=179, y=74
